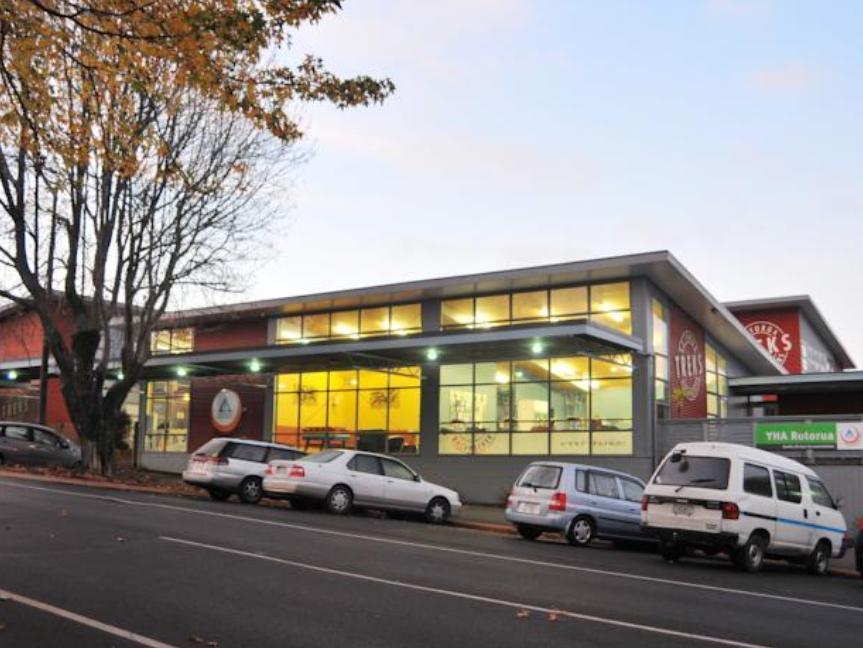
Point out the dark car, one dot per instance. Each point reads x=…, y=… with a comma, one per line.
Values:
x=29, y=444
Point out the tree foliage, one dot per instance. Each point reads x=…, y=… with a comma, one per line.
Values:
x=136, y=141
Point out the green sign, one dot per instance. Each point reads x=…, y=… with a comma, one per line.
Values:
x=795, y=435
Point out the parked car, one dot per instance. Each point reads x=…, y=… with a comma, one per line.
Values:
x=859, y=547
x=343, y=479
x=29, y=444
x=748, y=503
x=580, y=502
x=225, y=467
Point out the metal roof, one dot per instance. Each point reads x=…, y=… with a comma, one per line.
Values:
x=810, y=311
x=839, y=381
x=661, y=267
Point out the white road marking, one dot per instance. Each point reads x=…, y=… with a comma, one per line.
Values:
x=467, y=596
x=454, y=550
x=86, y=621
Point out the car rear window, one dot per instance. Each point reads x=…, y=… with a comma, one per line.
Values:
x=283, y=454
x=699, y=472
x=323, y=457
x=211, y=448
x=540, y=477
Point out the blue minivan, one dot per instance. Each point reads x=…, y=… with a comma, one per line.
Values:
x=580, y=502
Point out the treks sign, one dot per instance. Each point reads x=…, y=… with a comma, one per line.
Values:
x=689, y=365
x=844, y=435
x=773, y=338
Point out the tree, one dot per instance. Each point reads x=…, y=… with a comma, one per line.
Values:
x=136, y=142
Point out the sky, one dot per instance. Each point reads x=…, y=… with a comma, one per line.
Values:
x=534, y=132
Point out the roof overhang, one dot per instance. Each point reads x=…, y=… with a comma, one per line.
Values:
x=579, y=338
x=812, y=314
x=662, y=268
x=798, y=383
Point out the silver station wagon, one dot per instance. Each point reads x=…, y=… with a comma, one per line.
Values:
x=580, y=502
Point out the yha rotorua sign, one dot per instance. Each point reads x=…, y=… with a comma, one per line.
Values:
x=226, y=411
x=844, y=435
x=771, y=336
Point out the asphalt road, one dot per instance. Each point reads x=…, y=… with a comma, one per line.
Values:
x=83, y=567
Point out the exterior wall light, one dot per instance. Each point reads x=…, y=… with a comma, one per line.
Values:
x=536, y=347
x=120, y=375
x=254, y=365
x=182, y=372
x=432, y=354
x=11, y=375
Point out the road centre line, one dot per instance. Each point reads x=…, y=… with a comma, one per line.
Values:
x=467, y=596
x=454, y=550
x=83, y=620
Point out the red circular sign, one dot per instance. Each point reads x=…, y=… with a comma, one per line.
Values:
x=226, y=411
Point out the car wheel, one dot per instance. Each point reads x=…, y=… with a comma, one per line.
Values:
x=581, y=531
x=670, y=551
x=340, y=500
x=218, y=495
x=819, y=560
x=437, y=511
x=750, y=557
x=528, y=532
x=251, y=490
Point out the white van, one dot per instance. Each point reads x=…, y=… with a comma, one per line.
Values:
x=748, y=503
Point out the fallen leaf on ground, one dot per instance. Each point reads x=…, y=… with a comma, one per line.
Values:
x=553, y=616
x=120, y=539
x=196, y=639
x=522, y=614
x=2, y=626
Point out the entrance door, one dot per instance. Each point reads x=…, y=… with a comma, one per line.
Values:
x=792, y=525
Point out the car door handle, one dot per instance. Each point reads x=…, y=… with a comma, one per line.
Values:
x=805, y=513
x=818, y=513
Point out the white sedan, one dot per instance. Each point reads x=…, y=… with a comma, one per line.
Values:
x=342, y=479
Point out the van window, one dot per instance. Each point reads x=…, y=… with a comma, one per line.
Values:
x=632, y=490
x=787, y=487
x=820, y=494
x=756, y=480
x=603, y=485
x=540, y=476
x=700, y=472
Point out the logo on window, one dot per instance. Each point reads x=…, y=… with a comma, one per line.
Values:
x=777, y=342
x=226, y=411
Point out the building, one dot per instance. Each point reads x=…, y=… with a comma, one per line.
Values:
x=604, y=362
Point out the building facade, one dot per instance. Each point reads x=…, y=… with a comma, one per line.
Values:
x=469, y=378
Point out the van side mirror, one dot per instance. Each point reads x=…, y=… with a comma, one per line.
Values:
x=676, y=457
x=839, y=503
x=417, y=478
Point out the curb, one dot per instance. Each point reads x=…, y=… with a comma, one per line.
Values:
x=487, y=527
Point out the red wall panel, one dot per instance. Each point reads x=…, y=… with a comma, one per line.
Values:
x=56, y=414
x=688, y=383
x=778, y=331
x=252, y=391
x=20, y=337
x=231, y=335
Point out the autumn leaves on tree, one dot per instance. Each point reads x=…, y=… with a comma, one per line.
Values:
x=137, y=142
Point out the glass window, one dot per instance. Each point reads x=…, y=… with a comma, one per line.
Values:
x=787, y=487
x=375, y=321
x=283, y=454
x=45, y=438
x=603, y=485
x=397, y=470
x=346, y=324
x=324, y=457
x=660, y=328
x=820, y=494
x=581, y=481
x=492, y=372
x=492, y=311
x=316, y=326
x=18, y=433
x=167, y=416
x=456, y=374
x=171, y=341
x=540, y=476
x=698, y=472
x=717, y=383
x=756, y=480
x=611, y=404
x=289, y=329
x=530, y=306
x=607, y=298
x=632, y=490
x=567, y=303
x=406, y=319
x=373, y=379
x=457, y=313
x=529, y=370
x=366, y=464
x=247, y=452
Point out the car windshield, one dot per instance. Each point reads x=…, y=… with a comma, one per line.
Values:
x=686, y=470
x=540, y=477
x=323, y=457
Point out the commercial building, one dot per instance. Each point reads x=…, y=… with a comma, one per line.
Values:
x=603, y=362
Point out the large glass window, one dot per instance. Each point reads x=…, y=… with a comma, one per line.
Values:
x=167, y=341
x=167, y=424
x=550, y=406
x=660, y=356
x=402, y=319
x=717, y=383
x=606, y=304
x=369, y=409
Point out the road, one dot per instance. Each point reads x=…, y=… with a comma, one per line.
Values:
x=84, y=567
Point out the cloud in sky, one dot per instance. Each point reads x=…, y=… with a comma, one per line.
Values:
x=785, y=78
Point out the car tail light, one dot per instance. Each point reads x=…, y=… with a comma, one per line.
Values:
x=730, y=511
x=511, y=498
x=297, y=471
x=645, y=500
x=558, y=502
x=269, y=470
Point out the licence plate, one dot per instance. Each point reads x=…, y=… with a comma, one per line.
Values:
x=199, y=467
x=683, y=509
x=528, y=507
